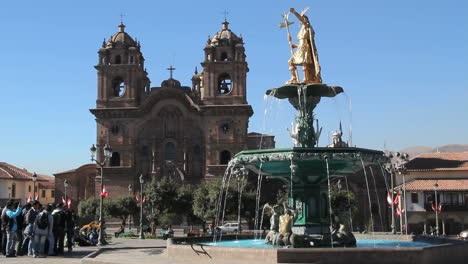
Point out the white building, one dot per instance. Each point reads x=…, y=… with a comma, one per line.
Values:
x=16, y=183
x=426, y=174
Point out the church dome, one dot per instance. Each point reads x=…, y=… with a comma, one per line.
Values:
x=121, y=39
x=170, y=83
x=224, y=35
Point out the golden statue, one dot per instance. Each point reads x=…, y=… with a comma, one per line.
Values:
x=305, y=54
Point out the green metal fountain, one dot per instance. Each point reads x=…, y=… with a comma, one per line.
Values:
x=306, y=168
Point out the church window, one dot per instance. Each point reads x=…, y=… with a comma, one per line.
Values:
x=115, y=159
x=115, y=129
x=225, y=128
x=131, y=59
x=118, y=59
x=118, y=87
x=224, y=157
x=169, y=151
x=224, y=83
x=224, y=56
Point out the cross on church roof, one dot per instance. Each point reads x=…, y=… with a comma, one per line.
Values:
x=171, y=69
x=225, y=14
x=121, y=17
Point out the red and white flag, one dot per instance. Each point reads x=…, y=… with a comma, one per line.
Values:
x=29, y=198
x=439, y=208
x=140, y=201
x=399, y=211
x=389, y=198
x=68, y=203
x=104, y=192
x=37, y=197
x=63, y=200
x=397, y=199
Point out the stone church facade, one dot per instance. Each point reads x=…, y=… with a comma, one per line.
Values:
x=188, y=133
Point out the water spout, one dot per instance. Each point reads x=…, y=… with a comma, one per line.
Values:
x=330, y=210
x=378, y=200
x=368, y=196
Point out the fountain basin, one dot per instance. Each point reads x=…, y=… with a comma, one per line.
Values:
x=440, y=251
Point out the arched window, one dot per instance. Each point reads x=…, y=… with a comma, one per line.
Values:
x=323, y=205
x=224, y=157
x=169, y=151
x=115, y=159
x=224, y=56
x=118, y=87
x=131, y=59
x=118, y=59
x=224, y=83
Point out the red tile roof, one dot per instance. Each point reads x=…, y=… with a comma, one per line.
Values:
x=439, y=162
x=428, y=185
x=8, y=171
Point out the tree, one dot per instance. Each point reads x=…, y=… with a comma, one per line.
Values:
x=161, y=200
x=122, y=208
x=204, y=200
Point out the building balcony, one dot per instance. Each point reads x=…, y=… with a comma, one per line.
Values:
x=446, y=207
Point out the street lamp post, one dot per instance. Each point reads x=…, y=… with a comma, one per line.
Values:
x=107, y=154
x=436, y=209
x=34, y=179
x=142, y=236
x=65, y=184
x=130, y=190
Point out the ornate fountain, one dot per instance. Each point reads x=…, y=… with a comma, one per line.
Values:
x=306, y=168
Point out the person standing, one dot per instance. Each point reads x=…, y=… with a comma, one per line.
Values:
x=3, y=227
x=70, y=228
x=59, y=229
x=43, y=226
x=21, y=224
x=30, y=217
x=12, y=227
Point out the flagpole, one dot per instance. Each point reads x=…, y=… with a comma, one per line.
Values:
x=404, y=204
x=393, y=199
x=436, y=209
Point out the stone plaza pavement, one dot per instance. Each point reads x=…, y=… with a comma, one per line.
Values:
x=119, y=251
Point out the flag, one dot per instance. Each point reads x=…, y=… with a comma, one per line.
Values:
x=68, y=203
x=104, y=192
x=397, y=199
x=398, y=211
x=140, y=201
x=37, y=197
x=439, y=208
x=29, y=198
x=63, y=200
x=389, y=198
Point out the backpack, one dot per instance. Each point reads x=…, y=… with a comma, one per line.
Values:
x=7, y=222
x=43, y=222
x=59, y=220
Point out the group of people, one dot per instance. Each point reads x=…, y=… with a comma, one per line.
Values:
x=35, y=230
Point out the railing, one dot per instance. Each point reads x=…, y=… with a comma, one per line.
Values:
x=448, y=207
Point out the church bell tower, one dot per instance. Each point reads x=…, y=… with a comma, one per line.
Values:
x=224, y=69
x=122, y=78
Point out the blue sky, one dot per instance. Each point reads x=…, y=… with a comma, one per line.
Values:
x=403, y=65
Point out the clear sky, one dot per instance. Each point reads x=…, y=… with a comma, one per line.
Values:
x=403, y=65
